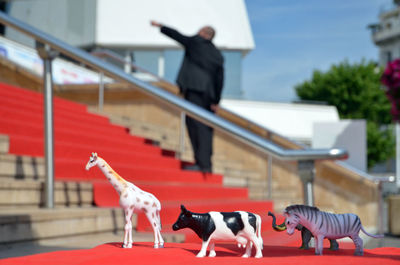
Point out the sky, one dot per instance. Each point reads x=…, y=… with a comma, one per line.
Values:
x=293, y=38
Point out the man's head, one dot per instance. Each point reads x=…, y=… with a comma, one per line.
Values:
x=207, y=32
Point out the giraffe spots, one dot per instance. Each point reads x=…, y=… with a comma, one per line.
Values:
x=125, y=195
x=137, y=199
x=146, y=203
x=132, y=206
x=103, y=165
x=152, y=215
x=154, y=224
x=144, y=210
x=154, y=204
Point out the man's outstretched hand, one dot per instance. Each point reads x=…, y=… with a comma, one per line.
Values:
x=155, y=24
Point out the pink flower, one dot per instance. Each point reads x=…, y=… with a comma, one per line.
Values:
x=391, y=79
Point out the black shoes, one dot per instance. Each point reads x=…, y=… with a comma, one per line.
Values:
x=197, y=168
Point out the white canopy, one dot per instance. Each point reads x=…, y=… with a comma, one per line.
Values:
x=291, y=120
x=127, y=22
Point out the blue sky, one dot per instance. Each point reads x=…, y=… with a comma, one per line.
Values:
x=293, y=38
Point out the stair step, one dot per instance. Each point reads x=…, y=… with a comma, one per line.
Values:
x=35, y=98
x=76, y=136
x=24, y=224
x=35, y=128
x=4, y=144
x=19, y=110
x=21, y=167
x=75, y=169
x=29, y=193
x=34, y=146
x=106, y=196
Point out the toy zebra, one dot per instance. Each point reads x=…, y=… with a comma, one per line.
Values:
x=322, y=224
x=305, y=234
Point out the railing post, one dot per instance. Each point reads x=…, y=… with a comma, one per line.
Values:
x=306, y=172
x=269, y=177
x=128, y=63
x=101, y=91
x=47, y=55
x=182, y=133
x=381, y=212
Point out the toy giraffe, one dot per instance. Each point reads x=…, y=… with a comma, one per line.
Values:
x=131, y=198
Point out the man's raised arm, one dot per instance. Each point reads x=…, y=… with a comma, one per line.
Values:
x=172, y=33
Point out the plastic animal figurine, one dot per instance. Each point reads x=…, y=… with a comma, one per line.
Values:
x=305, y=234
x=243, y=227
x=322, y=224
x=131, y=198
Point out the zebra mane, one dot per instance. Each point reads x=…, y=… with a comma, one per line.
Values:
x=300, y=208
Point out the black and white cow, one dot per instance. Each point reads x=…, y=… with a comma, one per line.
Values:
x=243, y=227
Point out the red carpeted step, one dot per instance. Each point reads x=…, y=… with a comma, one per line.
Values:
x=106, y=135
x=170, y=210
x=34, y=128
x=26, y=145
x=153, y=172
x=138, y=168
x=131, y=155
x=124, y=142
x=78, y=133
x=106, y=196
x=32, y=97
x=22, y=111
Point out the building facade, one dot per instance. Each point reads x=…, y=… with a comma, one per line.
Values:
x=386, y=33
x=123, y=26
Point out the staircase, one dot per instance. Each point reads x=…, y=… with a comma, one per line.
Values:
x=77, y=134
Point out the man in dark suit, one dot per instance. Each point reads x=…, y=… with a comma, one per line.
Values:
x=200, y=80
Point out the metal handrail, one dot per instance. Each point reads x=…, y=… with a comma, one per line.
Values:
x=108, y=54
x=192, y=110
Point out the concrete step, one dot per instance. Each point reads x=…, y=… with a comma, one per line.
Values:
x=168, y=139
x=30, y=193
x=4, y=144
x=21, y=167
x=24, y=224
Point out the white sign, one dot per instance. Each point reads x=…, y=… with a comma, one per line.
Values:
x=63, y=71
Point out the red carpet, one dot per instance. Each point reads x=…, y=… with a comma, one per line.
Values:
x=78, y=133
x=175, y=254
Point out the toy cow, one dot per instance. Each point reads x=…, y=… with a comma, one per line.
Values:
x=242, y=227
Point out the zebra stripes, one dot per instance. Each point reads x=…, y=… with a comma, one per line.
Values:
x=331, y=225
x=324, y=224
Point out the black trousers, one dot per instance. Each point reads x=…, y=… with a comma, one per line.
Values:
x=201, y=135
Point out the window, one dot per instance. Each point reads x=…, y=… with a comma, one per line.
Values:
x=387, y=56
x=173, y=61
x=233, y=75
x=147, y=60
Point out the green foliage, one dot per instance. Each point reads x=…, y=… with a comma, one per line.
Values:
x=355, y=89
x=380, y=142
